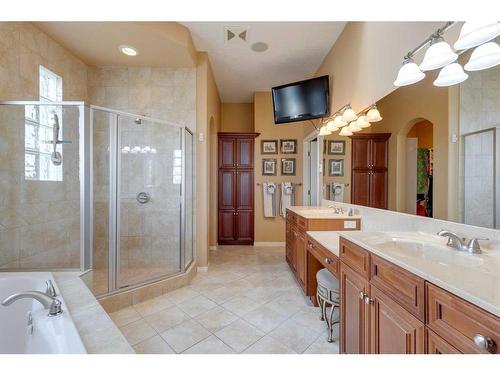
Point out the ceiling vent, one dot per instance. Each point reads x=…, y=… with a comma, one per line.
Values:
x=235, y=34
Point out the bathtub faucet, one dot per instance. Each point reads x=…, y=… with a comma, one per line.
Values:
x=48, y=302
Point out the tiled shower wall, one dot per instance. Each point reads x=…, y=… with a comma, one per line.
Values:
x=149, y=233
x=479, y=111
x=39, y=220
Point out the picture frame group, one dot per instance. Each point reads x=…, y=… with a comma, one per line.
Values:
x=270, y=146
x=270, y=167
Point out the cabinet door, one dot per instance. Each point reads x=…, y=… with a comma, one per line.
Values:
x=244, y=189
x=300, y=253
x=378, y=189
x=227, y=152
x=244, y=152
x=353, y=312
x=288, y=239
x=378, y=151
x=361, y=153
x=227, y=189
x=293, y=249
x=437, y=345
x=360, y=187
x=244, y=226
x=393, y=330
x=226, y=226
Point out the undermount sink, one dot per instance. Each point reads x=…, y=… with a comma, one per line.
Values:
x=429, y=249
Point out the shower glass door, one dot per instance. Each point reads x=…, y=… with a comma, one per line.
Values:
x=149, y=173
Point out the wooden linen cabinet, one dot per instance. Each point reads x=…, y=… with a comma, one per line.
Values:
x=236, y=188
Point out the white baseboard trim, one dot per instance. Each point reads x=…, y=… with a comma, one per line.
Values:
x=212, y=248
x=202, y=269
x=269, y=244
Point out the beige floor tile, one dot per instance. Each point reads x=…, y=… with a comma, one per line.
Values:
x=211, y=345
x=153, y=305
x=206, y=287
x=241, y=305
x=166, y=319
x=216, y=318
x=263, y=294
x=197, y=305
x=185, y=335
x=294, y=336
x=264, y=318
x=286, y=305
x=181, y=295
x=137, y=331
x=153, y=345
x=310, y=317
x=322, y=346
x=125, y=316
x=268, y=345
x=239, y=335
x=221, y=295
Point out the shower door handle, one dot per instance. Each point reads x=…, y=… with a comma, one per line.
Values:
x=143, y=197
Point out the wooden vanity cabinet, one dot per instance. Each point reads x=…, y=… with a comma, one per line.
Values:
x=297, y=243
x=390, y=310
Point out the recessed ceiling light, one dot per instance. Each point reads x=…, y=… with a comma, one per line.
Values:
x=128, y=50
x=259, y=47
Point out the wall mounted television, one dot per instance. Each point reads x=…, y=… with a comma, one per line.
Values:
x=299, y=101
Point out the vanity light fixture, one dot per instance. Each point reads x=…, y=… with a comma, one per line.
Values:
x=128, y=50
x=349, y=115
x=373, y=114
x=439, y=54
x=353, y=127
x=339, y=122
x=485, y=56
x=323, y=131
x=345, y=131
x=331, y=126
x=409, y=73
x=474, y=33
x=362, y=123
x=451, y=75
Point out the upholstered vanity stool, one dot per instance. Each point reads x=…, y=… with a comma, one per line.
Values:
x=327, y=293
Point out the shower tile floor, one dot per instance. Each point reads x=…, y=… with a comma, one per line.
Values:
x=248, y=302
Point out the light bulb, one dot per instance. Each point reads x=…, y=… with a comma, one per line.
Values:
x=484, y=57
x=474, y=33
x=373, y=115
x=450, y=75
x=362, y=123
x=408, y=74
x=345, y=131
x=323, y=131
x=353, y=127
x=349, y=115
x=331, y=127
x=438, y=55
x=339, y=122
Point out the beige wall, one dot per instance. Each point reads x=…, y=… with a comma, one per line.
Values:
x=237, y=117
x=208, y=124
x=273, y=229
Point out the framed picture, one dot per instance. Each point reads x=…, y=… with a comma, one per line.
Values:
x=336, y=147
x=268, y=167
x=336, y=167
x=269, y=146
x=288, y=167
x=288, y=146
x=324, y=146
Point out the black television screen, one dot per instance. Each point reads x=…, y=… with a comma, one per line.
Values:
x=299, y=101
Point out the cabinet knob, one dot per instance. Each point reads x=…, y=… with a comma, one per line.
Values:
x=484, y=342
x=311, y=246
x=368, y=300
x=328, y=261
x=362, y=295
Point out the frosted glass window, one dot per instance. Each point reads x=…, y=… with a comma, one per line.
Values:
x=38, y=130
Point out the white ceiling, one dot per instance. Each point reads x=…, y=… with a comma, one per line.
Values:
x=296, y=49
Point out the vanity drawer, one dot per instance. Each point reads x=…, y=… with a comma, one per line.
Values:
x=330, y=261
x=458, y=321
x=355, y=257
x=404, y=287
x=301, y=222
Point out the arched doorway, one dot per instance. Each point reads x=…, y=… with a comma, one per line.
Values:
x=419, y=147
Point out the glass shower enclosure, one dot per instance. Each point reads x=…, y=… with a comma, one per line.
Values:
x=118, y=206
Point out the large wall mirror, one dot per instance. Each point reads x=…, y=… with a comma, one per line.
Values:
x=443, y=153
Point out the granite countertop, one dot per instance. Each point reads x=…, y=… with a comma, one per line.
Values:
x=98, y=332
x=473, y=277
x=312, y=212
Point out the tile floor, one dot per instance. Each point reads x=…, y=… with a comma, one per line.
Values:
x=248, y=302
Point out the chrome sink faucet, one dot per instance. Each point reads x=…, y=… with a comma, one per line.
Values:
x=337, y=210
x=458, y=243
x=50, y=303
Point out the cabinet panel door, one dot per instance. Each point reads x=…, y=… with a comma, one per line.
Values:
x=437, y=345
x=353, y=312
x=227, y=151
x=244, y=190
x=300, y=252
x=378, y=189
x=226, y=226
x=244, y=151
x=393, y=330
x=379, y=153
x=227, y=187
x=360, y=154
x=244, y=226
x=360, y=187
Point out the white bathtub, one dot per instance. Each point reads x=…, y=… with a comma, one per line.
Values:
x=56, y=334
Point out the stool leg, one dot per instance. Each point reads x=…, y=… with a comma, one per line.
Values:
x=331, y=323
x=321, y=304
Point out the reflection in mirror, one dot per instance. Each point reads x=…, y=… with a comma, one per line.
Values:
x=442, y=158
